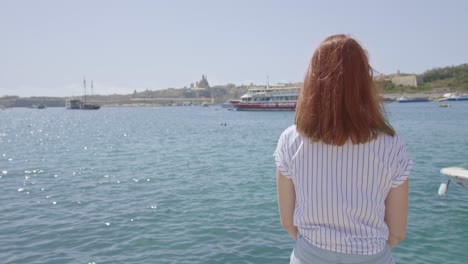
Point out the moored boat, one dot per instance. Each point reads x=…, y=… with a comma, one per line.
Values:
x=77, y=104
x=456, y=174
x=457, y=97
x=268, y=98
x=39, y=106
x=407, y=99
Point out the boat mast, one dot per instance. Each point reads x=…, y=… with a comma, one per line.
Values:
x=92, y=87
x=84, y=87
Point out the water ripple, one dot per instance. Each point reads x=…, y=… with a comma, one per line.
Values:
x=169, y=185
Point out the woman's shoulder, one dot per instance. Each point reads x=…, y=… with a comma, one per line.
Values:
x=394, y=142
x=290, y=132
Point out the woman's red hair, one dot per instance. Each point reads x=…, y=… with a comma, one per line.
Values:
x=338, y=100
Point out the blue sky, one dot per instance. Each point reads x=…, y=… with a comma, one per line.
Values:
x=46, y=47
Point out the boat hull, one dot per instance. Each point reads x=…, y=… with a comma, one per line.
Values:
x=90, y=107
x=76, y=104
x=413, y=101
x=458, y=99
x=265, y=106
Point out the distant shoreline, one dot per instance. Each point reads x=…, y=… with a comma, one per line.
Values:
x=129, y=101
x=429, y=95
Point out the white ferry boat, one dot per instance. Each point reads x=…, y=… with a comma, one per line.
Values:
x=268, y=98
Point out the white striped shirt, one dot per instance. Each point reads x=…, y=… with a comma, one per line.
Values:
x=341, y=190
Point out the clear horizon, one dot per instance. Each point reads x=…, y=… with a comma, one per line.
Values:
x=49, y=46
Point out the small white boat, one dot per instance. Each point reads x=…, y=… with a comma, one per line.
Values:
x=456, y=97
x=456, y=174
x=406, y=99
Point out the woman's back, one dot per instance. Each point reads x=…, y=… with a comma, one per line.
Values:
x=341, y=190
x=337, y=165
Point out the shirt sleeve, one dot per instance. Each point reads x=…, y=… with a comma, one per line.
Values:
x=281, y=156
x=403, y=165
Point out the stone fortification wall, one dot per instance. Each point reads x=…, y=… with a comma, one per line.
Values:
x=409, y=80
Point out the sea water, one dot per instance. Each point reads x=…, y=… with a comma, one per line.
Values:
x=174, y=185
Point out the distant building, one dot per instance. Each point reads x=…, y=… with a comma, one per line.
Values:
x=407, y=80
x=403, y=79
x=201, y=88
x=200, y=85
x=203, y=83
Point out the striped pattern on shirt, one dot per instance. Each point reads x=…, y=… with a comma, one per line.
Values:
x=341, y=190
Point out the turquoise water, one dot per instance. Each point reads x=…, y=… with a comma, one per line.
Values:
x=171, y=185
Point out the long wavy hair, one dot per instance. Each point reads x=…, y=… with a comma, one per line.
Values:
x=338, y=101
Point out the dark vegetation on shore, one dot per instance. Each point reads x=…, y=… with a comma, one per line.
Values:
x=437, y=80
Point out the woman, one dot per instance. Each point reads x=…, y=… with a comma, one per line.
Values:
x=341, y=169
